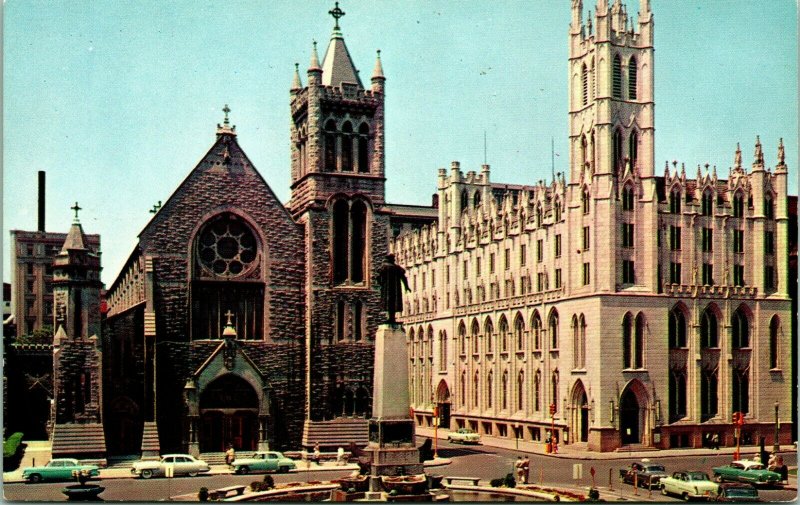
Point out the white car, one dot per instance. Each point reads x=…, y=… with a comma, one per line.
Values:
x=464, y=436
x=182, y=464
x=689, y=485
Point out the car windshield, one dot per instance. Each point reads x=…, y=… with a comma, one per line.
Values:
x=654, y=468
x=757, y=466
x=698, y=476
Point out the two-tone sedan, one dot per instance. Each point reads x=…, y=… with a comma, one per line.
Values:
x=181, y=464
x=751, y=472
x=643, y=473
x=58, y=469
x=464, y=436
x=689, y=484
x=263, y=461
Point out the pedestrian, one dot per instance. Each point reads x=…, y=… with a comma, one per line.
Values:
x=518, y=469
x=230, y=455
x=526, y=469
x=316, y=457
x=715, y=440
x=340, y=458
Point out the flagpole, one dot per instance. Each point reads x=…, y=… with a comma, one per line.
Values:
x=552, y=159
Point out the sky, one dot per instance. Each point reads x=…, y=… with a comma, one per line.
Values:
x=118, y=101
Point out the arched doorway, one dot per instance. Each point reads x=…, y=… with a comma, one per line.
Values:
x=443, y=404
x=228, y=415
x=633, y=407
x=580, y=413
x=124, y=427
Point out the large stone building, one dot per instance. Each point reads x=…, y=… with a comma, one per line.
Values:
x=624, y=305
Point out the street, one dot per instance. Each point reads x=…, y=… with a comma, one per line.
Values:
x=479, y=461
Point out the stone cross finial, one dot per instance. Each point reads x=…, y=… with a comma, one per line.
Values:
x=226, y=110
x=737, y=160
x=76, y=208
x=229, y=315
x=336, y=12
x=781, y=153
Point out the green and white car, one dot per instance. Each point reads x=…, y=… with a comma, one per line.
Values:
x=689, y=484
x=464, y=436
x=263, y=461
x=58, y=469
x=752, y=472
x=180, y=464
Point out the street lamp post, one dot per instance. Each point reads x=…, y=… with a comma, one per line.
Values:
x=776, y=446
x=435, y=432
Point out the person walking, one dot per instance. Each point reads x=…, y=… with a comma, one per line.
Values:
x=230, y=455
x=520, y=473
x=316, y=456
x=526, y=469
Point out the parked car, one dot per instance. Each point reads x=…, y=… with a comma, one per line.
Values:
x=263, y=461
x=746, y=471
x=737, y=491
x=464, y=436
x=182, y=464
x=644, y=473
x=58, y=469
x=689, y=484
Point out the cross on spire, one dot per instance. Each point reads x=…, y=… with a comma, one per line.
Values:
x=336, y=12
x=229, y=315
x=76, y=208
x=226, y=110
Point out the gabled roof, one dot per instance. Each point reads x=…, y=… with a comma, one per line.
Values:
x=337, y=66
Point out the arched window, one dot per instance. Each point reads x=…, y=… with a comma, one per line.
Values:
x=585, y=200
x=617, y=153
x=557, y=207
x=708, y=329
x=476, y=199
x=489, y=335
x=349, y=241
x=347, y=147
x=476, y=390
x=585, y=81
x=537, y=391
x=464, y=389
x=638, y=343
x=584, y=146
x=464, y=200
x=616, y=71
x=677, y=395
x=582, y=342
x=675, y=201
x=575, y=341
x=594, y=150
x=627, y=197
x=503, y=334
x=462, y=338
x=537, y=331
x=358, y=321
x=627, y=341
x=554, y=329
x=519, y=332
x=538, y=215
x=330, y=146
x=708, y=394
x=707, y=203
x=738, y=205
x=358, y=236
x=363, y=148
x=340, y=240
x=740, y=330
x=341, y=326
x=769, y=207
x=521, y=390
x=632, y=78
x=554, y=390
x=504, y=405
x=633, y=148
x=740, y=390
x=430, y=343
x=677, y=329
x=774, y=330
x=593, y=80
x=476, y=330
x=489, y=389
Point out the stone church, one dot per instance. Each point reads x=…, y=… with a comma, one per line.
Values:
x=621, y=306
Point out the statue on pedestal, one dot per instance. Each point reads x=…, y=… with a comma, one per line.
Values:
x=392, y=279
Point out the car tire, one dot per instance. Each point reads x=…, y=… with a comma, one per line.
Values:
x=34, y=478
x=686, y=497
x=664, y=490
x=283, y=469
x=192, y=474
x=146, y=474
x=243, y=470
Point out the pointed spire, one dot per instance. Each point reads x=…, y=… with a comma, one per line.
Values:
x=314, y=65
x=737, y=159
x=76, y=240
x=226, y=127
x=296, y=83
x=759, y=153
x=337, y=65
x=781, y=155
x=377, y=72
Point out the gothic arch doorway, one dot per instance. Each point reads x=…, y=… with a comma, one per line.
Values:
x=228, y=415
x=580, y=413
x=633, y=406
x=443, y=404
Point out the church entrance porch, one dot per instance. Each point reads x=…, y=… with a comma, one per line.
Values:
x=634, y=421
x=229, y=415
x=443, y=404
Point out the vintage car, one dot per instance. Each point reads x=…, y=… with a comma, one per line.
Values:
x=464, y=436
x=58, y=469
x=689, y=484
x=644, y=473
x=737, y=491
x=263, y=461
x=181, y=464
x=746, y=471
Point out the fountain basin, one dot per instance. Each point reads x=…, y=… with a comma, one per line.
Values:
x=83, y=492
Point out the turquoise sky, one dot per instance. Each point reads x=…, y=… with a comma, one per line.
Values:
x=118, y=101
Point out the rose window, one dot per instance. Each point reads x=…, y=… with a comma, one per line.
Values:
x=227, y=247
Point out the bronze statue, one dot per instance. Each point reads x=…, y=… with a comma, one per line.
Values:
x=392, y=278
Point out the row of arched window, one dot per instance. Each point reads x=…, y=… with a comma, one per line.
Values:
x=349, y=241
x=345, y=149
x=617, y=81
x=739, y=203
x=501, y=398
x=506, y=339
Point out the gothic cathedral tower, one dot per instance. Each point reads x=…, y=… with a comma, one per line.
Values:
x=77, y=355
x=611, y=121
x=338, y=195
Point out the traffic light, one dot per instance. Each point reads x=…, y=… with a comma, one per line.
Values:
x=552, y=409
x=736, y=418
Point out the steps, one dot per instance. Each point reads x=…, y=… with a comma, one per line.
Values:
x=81, y=441
x=340, y=432
x=635, y=448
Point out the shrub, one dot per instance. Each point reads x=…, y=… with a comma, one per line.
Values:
x=267, y=483
x=202, y=495
x=594, y=494
x=496, y=482
x=510, y=481
x=11, y=445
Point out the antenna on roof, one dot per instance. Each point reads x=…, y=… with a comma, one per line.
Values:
x=552, y=158
x=484, y=147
